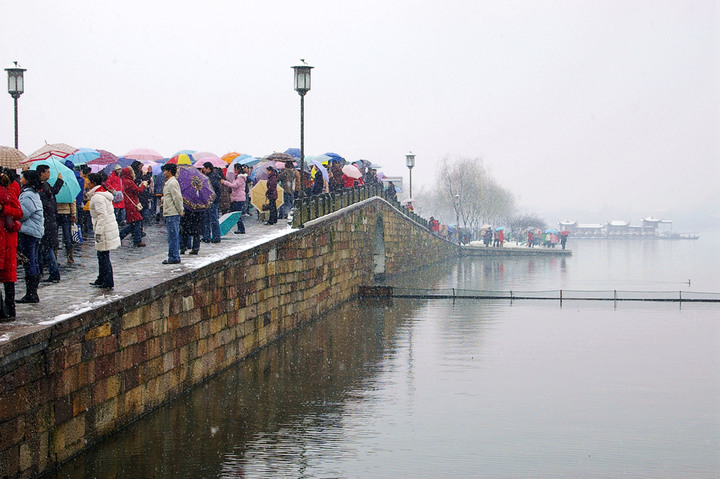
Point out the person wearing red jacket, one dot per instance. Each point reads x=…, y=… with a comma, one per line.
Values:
x=11, y=215
x=133, y=216
x=114, y=184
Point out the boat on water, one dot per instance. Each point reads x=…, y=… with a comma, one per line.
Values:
x=651, y=228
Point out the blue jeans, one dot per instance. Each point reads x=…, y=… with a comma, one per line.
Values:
x=238, y=206
x=105, y=271
x=64, y=221
x=289, y=201
x=29, y=246
x=172, y=223
x=136, y=229
x=47, y=258
x=211, y=228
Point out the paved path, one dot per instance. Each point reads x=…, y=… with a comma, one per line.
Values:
x=134, y=269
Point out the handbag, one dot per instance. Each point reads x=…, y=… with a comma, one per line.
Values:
x=76, y=233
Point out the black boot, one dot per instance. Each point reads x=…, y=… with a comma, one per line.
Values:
x=10, y=300
x=31, y=285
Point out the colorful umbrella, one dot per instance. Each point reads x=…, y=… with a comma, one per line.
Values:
x=60, y=150
x=181, y=159
x=83, y=155
x=258, y=198
x=143, y=154
x=196, y=190
x=185, y=152
x=10, y=157
x=70, y=188
x=229, y=157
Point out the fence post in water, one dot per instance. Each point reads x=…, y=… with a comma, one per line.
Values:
x=511, y=296
x=561, y=297
x=680, y=296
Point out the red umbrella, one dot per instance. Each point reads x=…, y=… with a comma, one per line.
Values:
x=106, y=158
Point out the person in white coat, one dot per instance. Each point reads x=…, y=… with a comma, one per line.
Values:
x=107, y=235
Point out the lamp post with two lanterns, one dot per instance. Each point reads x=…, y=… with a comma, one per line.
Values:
x=16, y=87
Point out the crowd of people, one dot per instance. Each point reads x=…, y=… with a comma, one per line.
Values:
x=118, y=202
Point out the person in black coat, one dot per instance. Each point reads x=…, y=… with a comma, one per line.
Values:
x=50, y=240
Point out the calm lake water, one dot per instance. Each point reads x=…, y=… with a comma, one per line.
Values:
x=436, y=388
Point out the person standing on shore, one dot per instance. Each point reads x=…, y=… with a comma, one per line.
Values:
x=11, y=215
x=107, y=235
x=211, y=223
x=173, y=210
x=50, y=240
x=237, y=195
x=31, y=231
x=272, y=194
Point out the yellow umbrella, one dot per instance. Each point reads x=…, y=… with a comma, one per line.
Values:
x=257, y=195
x=228, y=157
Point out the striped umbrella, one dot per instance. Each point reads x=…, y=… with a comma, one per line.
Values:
x=60, y=150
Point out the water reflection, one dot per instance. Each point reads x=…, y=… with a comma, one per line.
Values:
x=271, y=410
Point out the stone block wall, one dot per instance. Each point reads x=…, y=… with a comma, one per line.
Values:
x=66, y=386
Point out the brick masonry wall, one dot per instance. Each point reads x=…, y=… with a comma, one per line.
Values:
x=68, y=385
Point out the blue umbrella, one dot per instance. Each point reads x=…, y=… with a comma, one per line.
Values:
x=70, y=188
x=500, y=228
x=334, y=156
x=83, y=155
x=551, y=231
x=318, y=164
x=295, y=152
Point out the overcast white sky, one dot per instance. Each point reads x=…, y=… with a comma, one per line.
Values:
x=572, y=105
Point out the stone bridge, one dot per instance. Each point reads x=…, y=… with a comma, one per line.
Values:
x=67, y=385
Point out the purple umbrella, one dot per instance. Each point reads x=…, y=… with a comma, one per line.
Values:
x=196, y=190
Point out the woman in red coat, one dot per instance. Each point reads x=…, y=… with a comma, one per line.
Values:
x=133, y=217
x=11, y=215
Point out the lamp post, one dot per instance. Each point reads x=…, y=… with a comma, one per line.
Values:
x=302, y=86
x=16, y=87
x=410, y=163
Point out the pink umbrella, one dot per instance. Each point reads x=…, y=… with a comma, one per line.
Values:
x=143, y=154
x=106, y=158
x=216, y=162
x=351, y=171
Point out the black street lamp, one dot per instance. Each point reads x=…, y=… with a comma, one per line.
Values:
x=410, y=162
x=302, y=86
x=16, y=87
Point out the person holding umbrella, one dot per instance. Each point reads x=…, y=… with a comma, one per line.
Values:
x=173, y=210
x=272, y=194
x=238, y=195
x=107, y=235
x=50, y=240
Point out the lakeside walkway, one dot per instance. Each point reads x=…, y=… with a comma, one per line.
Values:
x=135, y=269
